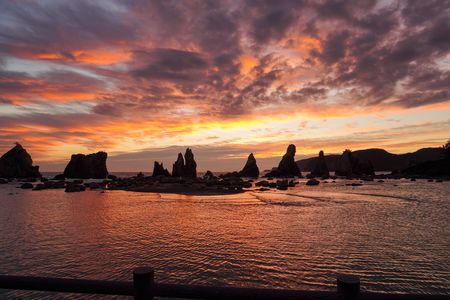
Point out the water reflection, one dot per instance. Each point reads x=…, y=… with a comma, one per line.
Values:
x=397, y=238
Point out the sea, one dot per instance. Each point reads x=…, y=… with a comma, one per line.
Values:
x=394, y=235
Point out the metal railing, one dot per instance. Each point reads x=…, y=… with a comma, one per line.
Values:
x=143, y=287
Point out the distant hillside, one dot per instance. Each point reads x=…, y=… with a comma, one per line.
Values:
x=380, y=158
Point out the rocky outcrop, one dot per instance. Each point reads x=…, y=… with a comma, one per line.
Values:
x=251, y=168
x=190, y=167
x=287, y=166
x=186, y=167
x=178, y=166
x=351, y=166
x=437, y=168
x=321, y=168
x=87, y=166
x=209, y=175
x=313, y=181
x=17, y=163
x=158, y=170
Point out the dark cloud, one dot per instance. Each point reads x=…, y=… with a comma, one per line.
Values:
x=190, y=52
x=42, y=27
x=170, y=65
x=272, y=25
x=334, y=47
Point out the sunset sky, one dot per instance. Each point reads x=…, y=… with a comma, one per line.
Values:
x=143, y=80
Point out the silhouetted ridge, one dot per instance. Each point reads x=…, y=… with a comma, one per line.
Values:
x=436, y=168
x=17, y=163
x=380, y=159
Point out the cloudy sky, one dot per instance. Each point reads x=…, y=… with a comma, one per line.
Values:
x=144, y=79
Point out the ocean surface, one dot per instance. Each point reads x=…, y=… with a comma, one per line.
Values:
x=395, y=235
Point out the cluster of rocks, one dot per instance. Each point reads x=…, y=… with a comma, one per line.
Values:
x=69, y=186
x=352, y=167
x=208, y=184
x=182, y=168
x=283, y=184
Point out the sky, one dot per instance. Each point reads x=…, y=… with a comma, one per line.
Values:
x=143, y=80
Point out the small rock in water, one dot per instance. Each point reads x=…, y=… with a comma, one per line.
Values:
x=26, y=185
x=354, y=184
x=313, y=182
x=262, y=183
x=40, y=187
x=283, y=188
x=59, y=177
x=73, y=188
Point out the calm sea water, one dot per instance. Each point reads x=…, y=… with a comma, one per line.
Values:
x=394, y=235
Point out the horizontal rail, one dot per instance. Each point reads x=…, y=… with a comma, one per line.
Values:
x=65, y=285
x=128, y=288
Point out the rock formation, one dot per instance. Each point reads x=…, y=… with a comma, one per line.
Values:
x=209, y=175
x=87, y=166
x=350, y=166
x=178, y=166
x=287, y=166
x=251, y=168
x=321, y=168
x=190, y=168
x=17, y=163
x=186, y=167
x=158, y=170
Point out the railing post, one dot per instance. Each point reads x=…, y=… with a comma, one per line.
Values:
x=347, y=287
x=143, y=283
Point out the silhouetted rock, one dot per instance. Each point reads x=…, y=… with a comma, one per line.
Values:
x=59, y=177
x=26, y=185
x=3, y=181
x=190, y=167
x=17, y=163
x=287, y=166
x=321, y=168
x=380, y=158
x=436, y=168
x=73, y=188
x=209, y=175
x=313, y=182
x=40, y=187
x=351, y=166
x=87, y=166
x=186, y=167
x=158, y=170
x=112, y=177
x=178, y=166
x=264, y=183
x=251, y=168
